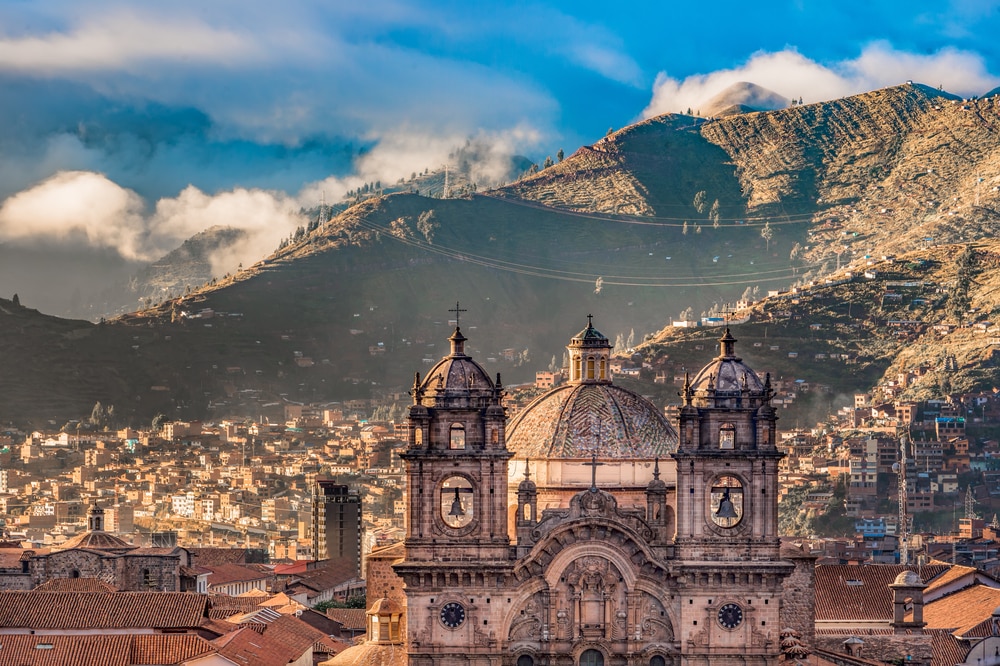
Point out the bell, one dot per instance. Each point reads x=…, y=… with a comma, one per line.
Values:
x=456, y=506
x=726, y=509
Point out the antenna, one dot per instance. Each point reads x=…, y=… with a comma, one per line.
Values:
x=322, y=219
x=902, y=529
x=444, y=193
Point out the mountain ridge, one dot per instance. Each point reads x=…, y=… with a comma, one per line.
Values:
x=668, y=214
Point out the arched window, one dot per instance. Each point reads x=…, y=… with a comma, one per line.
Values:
x=590, y=368
x=576, y=368
x=592, y=658
x=525, y=660
x=727, y=436
x=657, y=660
x=418, y=436
x=726, y=506
x=495, y=436
x=604, y=369
x=457, y=440
x=75, y=573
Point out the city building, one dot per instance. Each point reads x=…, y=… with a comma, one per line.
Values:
x=337, y=528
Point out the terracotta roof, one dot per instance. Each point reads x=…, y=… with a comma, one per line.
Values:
x=75, y=585
x=860, y=592
x=352, y=618
x=954, y=573
x=104, y=610
x=962, y=611
x=946, y=649
x=102, y=650
x=168, y=648
x=206, y=557
x=232, y=573
x=222, y=606
x=246, y=646
x=328, y=576
x=293, y=633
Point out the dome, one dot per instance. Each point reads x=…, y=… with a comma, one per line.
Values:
x=579, y=420
x=908, y=579
x=456, y=372
x=97, y=541
x=370, y=654
x=589, y=337
x=727, y=372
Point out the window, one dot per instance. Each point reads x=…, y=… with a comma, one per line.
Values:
x=457, y=440
x=494, y=436
x=525, y=660
x=590, y=368
x=418, y=436
x=657, y=661
x=604, y=369
x=75, y=573
x=592, y=658
x=457, y=502
x=726, y=506
x=147, y=578
x=727, y=436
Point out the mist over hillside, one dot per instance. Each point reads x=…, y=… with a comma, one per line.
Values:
x=675, y=213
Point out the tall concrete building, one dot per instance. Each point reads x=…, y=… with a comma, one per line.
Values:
x=336, y=526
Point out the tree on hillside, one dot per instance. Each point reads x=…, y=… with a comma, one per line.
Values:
x=427, y=225
x=560, y=155
x=713, y=213
x=16, y=301
x=548, y=162
x=966, y=270
x=699, y=201
x=767, y=233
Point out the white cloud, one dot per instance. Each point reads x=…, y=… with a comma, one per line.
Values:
x=87, y=208
x=75, y=206
x=265, y=216
x=122, y=41
x=792, y=75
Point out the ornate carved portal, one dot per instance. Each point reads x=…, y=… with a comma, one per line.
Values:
x=590, y=605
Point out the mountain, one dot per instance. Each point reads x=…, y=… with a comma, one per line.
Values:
x=743, y=97
x=671, y=213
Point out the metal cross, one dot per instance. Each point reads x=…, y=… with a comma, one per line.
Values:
x=593, y=465
x=457, y=312
x=590, y=321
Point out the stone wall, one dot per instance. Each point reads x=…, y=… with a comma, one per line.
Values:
x=798, y=599
x=381, y=581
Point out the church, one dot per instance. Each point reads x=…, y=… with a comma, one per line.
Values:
x=589, y=530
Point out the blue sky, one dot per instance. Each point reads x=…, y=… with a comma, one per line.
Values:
x=157, y=117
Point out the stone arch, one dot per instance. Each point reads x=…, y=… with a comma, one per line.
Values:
x=618, y=543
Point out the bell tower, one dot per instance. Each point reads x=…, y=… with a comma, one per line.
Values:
x=727, y=510
x=457, y=548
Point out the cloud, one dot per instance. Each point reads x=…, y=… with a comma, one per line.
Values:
x=792, y=75
x=76, y=206
x=124, y=41
x=89, y=210
x=266, y=217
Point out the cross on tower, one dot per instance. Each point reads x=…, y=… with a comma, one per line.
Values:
x=457, y=310
x=593, y=465
x=590, y=321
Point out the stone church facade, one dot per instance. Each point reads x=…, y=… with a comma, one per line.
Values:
x=624, y=541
